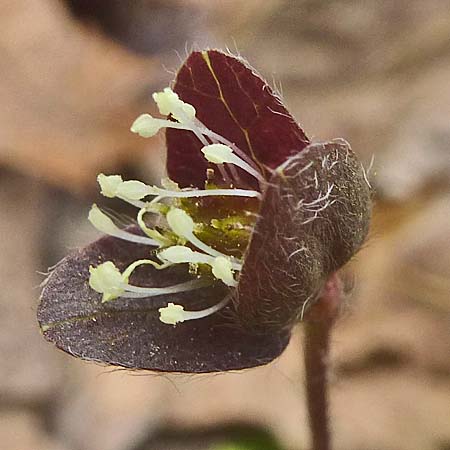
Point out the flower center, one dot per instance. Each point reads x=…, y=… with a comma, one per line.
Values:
x=207, y=229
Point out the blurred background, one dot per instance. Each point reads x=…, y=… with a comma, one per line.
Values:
x=73, y=76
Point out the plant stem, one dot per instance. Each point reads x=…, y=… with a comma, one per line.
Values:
x=317, y=337
x=317, y=329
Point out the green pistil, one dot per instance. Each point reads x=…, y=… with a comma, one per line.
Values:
x=224, y=223
x=230, y=241
x=227, y=233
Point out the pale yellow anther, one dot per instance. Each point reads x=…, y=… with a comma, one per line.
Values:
x=222, y=269
x=219, y=153
x=109, y=184
x=147, y=126
x=168, y=102
x=107, y=280
x=180, y=222
x=134, y=190
x=101, y=221
x=177, y=254
x=104, y=224
x=172, y=314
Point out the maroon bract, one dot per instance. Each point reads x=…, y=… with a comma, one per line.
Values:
x=262, y=219
x=234, y=101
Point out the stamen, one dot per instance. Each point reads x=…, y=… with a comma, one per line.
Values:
x=223, y=270
x=111, y=187
x=180, y=222
x=220, y=153
x=107, y=280
x=221, y=140
x=109, y=184
x=139, y=292
x=133, y=190
x=182, y=225
x=168, y=102
x=205, y=192
x=222, y=266
x=173, y=313
x=224, y=174
x=148, y=126
x=104, y=224
x=133, y=266
x=178, y=254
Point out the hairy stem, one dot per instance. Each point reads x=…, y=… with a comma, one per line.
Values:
x=317, y=329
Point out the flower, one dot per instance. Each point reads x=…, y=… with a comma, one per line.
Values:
x=247, y=229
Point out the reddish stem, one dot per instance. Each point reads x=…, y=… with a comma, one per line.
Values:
x=318, y=326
